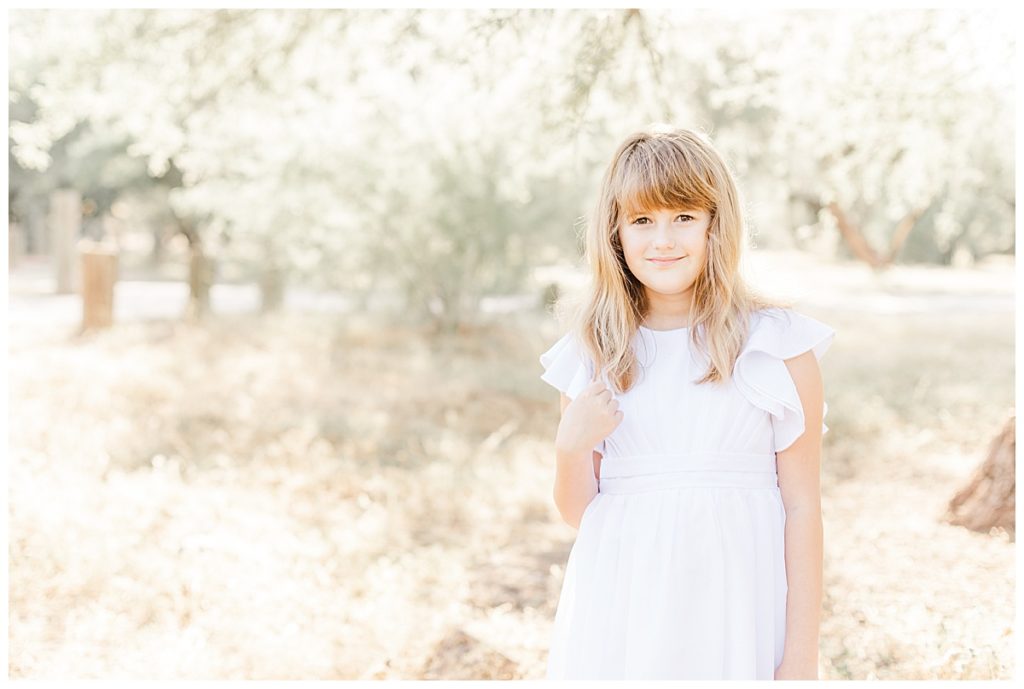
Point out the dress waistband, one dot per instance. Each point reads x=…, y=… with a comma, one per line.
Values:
x=642, y=472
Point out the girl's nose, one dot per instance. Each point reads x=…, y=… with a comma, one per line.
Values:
x=663, y=239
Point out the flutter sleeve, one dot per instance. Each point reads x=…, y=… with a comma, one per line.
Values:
x=569, y=369
x=761, y=374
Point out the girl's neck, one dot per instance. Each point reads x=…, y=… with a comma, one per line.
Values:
x=664, y=312
x=671, y=322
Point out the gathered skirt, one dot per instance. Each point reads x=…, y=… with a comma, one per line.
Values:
x=677, y=572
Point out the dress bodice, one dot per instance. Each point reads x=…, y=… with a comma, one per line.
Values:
x=757, y=410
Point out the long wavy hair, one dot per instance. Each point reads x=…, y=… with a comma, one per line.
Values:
x=665, y=167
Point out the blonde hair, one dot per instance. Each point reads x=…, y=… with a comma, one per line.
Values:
x=664, y=167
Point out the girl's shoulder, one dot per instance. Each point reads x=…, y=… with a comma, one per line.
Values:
x=567, y=367
x=761, y=374
x=785, y=332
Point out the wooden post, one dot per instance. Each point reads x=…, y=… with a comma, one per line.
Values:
x=37, y=232
x=65, y=228
x=15, y=243
x=99, y=275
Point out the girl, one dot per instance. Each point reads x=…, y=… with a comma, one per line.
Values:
x=690, y=465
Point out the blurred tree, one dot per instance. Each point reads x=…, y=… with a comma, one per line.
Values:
x=96, y=163
x=454, y=178
x=424, y=157
x=888, y=118
x=989, y=498
x=883, y=125
x=153, y=78
x=290, y=147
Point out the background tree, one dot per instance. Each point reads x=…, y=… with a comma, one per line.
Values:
x=889, y=131
x=429, y=172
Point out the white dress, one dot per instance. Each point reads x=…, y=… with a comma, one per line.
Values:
x=678, y=569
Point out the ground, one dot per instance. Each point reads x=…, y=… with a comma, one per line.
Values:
x=314, y=496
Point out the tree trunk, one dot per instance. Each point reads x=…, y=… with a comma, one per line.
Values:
x=38, y=234
x=200, y=278
x=272, y=287
x=160, y=233
x=200, y=270
x=988, y=500
x=855, y=239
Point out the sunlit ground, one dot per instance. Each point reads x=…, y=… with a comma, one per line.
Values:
x=295, y=497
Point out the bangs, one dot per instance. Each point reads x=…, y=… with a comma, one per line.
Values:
x=657, y=173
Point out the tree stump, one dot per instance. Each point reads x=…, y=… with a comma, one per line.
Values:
x=99, y=275
x=988, y=500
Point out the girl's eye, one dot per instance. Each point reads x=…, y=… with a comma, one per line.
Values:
x=681, y=215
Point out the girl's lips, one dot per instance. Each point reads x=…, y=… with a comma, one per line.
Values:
x=664, y=262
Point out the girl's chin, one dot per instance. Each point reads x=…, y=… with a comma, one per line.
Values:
x=669, y=288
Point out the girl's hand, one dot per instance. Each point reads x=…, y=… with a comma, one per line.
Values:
x=588, y=419
x=793, y=671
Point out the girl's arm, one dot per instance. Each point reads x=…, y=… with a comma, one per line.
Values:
x=799, y=467
x=575, y=480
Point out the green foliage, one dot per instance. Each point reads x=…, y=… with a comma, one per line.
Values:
x=435, y=154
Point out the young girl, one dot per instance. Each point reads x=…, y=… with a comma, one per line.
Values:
x=691, y=463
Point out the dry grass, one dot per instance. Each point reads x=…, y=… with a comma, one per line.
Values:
x=913, y=404
x=293, y=498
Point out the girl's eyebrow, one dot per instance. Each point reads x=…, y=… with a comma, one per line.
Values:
x=638, y=214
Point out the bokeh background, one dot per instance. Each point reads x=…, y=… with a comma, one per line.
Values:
x=278, y=281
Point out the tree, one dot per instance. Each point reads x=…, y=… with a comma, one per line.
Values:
x=988, y=500
x=898, y=118
x=428, y=155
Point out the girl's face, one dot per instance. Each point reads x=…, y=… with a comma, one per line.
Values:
x=681, y=235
